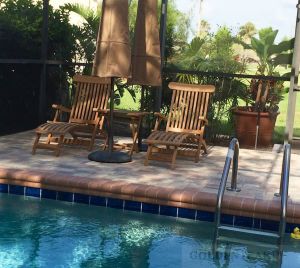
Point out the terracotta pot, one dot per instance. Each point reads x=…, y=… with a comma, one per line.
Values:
x=245, y=127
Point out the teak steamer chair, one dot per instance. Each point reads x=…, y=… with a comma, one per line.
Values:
x=185, y=124
x=85, y=122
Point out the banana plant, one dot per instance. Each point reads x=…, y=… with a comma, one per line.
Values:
x=269, y=54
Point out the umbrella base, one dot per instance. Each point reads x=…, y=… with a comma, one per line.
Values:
x=109, y=157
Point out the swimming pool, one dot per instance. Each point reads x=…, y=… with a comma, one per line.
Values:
x=48, y=233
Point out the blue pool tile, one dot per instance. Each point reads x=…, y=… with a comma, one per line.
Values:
x=290, y=227
x=243, y=221
x=98, y=201
x=133, y=205
x=16, y=189
x=186, y=213
x=269, y=225
x=65, y=196
x=256, y=223
x=3, y=188
x=115, y=203
x=49, y=194
x=150, y=208
x=81, y=198
x=35, y=192
x=168, y=211
x=227, y=219
x=205, y=216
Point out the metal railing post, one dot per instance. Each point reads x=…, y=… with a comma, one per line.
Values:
x=235, y=165
x=286, y=153
x=284, y=189
x=232, y=156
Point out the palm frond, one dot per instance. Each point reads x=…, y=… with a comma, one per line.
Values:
x=89, y=15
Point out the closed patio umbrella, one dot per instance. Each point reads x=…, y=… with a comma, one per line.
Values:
x=113, y=52
x=146, y=57
x=112, y=59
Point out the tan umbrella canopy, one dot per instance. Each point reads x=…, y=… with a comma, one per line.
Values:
x=146, y=58
x=112, y=59
x=113, y=54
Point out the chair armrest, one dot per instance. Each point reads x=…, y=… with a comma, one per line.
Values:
x=202, y=118
x=61, y=108
x=159, y=118
x=101, y=111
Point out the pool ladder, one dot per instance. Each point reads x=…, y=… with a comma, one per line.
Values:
x=232, y=156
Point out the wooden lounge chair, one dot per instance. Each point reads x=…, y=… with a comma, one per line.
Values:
x=185, y=124
x=85, y=124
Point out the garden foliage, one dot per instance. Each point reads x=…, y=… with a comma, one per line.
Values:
x=20, y=38
x=219, y=52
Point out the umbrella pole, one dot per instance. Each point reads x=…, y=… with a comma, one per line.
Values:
x=142, y=110
x=110, y=156
x=111, y=117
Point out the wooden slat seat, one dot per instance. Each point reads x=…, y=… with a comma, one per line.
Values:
x=57, y=128
x=185, y=123
x=167, y=138
x=85, y=123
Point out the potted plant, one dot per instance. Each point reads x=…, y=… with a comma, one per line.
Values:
x=255, y=122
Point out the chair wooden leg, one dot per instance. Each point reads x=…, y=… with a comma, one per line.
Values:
x=204, y=146
x=37, y=138
x=134, y=126
x=59, y=145
x=49, y=138
x=174, y=157
x=149, y=151
x=134, y=147
x=197, y=155
x=198, y=151
x=92, y=140
x=91, y=145
x=105, y=143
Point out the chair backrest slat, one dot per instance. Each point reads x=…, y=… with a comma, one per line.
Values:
x=194, y=109
x=83, y=97
x=91, y=92
x=188, y=111
x=188, y=104
x=91, y=100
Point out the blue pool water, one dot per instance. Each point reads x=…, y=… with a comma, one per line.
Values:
x=48, y=233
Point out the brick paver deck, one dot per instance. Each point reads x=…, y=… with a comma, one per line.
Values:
x=189, y=185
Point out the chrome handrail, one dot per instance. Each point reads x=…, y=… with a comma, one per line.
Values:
x=284, y=189
x=283, y=193
x=232, y=155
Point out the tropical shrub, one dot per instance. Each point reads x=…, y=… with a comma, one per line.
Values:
x=20, y=38
x=214, y=53
x=269, y=56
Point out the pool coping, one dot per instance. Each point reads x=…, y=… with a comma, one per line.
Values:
x=172, y=200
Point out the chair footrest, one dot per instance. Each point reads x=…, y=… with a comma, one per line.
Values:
x=70, y=141
x=47, y=146
x=161, y=157
x=57, y=128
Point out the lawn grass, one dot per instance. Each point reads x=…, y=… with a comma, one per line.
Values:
x=127, y=102
x=281, y=119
